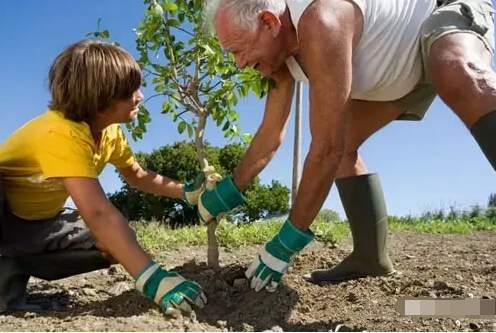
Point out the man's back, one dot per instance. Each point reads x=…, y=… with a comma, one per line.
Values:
x=386, y=62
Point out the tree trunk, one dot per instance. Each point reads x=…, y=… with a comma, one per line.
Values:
x=213, y=247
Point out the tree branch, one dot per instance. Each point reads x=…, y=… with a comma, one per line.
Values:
x=185, y=31
x=151, y=97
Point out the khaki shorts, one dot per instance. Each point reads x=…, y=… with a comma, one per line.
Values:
x=451, y=16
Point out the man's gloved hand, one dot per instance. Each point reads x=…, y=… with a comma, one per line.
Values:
x=169, y=289
x=219, y=199
x=193, y=189
x=269, y=266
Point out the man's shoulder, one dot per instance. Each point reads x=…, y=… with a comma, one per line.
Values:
x=324, y=15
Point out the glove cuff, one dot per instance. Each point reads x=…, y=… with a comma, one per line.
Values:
x=223, y=198
x=294, y=239
x=143, y=277
x=230, y=194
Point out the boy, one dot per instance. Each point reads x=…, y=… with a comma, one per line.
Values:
x=94, y=86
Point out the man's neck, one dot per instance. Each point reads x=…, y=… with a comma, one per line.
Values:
x=289, y=33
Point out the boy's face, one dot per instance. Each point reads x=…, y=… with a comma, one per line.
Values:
x=125, y=110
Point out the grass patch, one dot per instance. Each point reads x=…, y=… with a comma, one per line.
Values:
x=159, y=238
x=155, y=237
x=442, y=226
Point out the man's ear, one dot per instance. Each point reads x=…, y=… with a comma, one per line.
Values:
x=271, y=22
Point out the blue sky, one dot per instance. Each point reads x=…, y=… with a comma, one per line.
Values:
x=424, y=165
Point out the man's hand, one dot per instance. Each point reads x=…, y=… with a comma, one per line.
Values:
x=269, y=266
x=169, y=289
x=219, y=199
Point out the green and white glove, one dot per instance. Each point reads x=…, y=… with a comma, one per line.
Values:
x=169, y=289
x=192, y=190
x=219, y=199
x=272, y=263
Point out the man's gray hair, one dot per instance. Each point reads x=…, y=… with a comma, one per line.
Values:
x=243, y=12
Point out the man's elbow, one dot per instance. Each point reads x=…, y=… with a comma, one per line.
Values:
x=276, y=143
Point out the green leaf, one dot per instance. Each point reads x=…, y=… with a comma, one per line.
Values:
x=190, y=130
x=170, y=6
x=226, y=126
x=208, y=49
x=166, y=107
x=247, y=137
x=181, y=127
x=173, y=23
x=157, y=10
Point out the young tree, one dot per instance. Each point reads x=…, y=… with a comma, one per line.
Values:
x=195, y=79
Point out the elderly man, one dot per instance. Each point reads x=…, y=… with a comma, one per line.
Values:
x=367, y=64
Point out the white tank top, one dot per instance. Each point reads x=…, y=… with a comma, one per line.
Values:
x=387, y=62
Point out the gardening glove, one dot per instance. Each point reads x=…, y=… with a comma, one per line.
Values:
x=218, y=199
x=269, y=266
x=193, y=189
x=207, y=178
x=169, y=289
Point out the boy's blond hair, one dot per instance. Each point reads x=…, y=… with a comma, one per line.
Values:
x=89, y=76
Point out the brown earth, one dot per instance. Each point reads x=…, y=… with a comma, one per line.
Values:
x=459, y=266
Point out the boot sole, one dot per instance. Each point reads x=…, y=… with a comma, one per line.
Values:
x=348, y=277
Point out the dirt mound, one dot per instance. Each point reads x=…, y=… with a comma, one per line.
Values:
x=447, y=266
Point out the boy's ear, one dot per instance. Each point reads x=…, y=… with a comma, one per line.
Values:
x=271, y=22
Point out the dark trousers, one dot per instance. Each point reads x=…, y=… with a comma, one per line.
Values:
x=49, y=249
x=19, y=237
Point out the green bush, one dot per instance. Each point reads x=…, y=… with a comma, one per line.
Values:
x=328, y=215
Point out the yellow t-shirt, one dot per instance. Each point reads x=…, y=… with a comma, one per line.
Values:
x=50, y=147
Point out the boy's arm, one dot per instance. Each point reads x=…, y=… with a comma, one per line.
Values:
x=110, y=228
x=151, y=182
x=107, y=224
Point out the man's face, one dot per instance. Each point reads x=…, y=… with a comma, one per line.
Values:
x=260, y=49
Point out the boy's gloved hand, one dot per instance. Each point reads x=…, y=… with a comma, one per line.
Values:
x=269, y=266
x=193, y=189
x=169, y=289
x=219, y=199
x=203, y=180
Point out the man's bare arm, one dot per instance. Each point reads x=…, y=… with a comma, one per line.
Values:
x=326, y=32
x=270, y=133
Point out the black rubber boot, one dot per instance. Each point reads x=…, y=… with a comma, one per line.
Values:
x=484, y=132
x=15, y=273
x=363, y=202
x=13, y=282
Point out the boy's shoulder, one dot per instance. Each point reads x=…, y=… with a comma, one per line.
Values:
x=51, y=127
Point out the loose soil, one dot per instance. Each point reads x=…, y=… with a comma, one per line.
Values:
x=442, y=266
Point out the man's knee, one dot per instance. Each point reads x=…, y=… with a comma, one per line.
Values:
x=351, y=165
x=461, y=80
x=466, y=86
